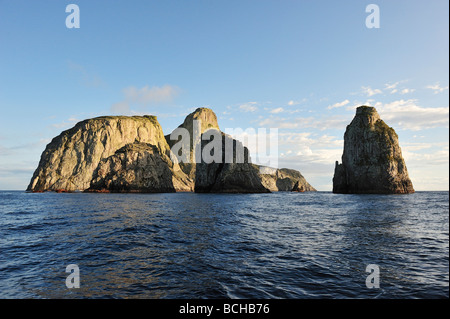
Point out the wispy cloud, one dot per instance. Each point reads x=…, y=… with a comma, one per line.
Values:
x=339, y=104
x=294, y=102
x=66, y=123
x=150, y=95
x=277, y=110
x=25, y=147
x=369, y=91
x=391, y=86
x=331, y=122
x=395, y=87
x=145, y=96
x=437, y=88
x=407, y=114
x=427, y=164
x=249, y=107
x=313, y=155
x=87, y=78
x=406, y=91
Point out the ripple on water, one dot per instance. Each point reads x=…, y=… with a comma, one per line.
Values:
x=281, y=245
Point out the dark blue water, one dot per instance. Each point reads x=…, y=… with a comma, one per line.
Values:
x=186, y=245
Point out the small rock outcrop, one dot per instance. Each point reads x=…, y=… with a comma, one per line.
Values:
x=372, y=161
x=284, y=180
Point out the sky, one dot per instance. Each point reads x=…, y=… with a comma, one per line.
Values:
x=299, y=66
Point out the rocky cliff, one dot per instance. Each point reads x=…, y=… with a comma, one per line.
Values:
x=139, y=167
x=196, y=123
x=131, y=154
x=236, y=175
x=372, y=160
x=69, y=161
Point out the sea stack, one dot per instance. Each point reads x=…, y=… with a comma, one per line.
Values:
x=372, y=161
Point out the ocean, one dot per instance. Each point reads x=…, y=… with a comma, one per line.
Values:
x=259, y=246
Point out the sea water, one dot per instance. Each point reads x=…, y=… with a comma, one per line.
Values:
x=187, y=245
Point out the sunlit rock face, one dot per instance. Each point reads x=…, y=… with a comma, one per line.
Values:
x=131, y=154
x=372, y=161
x=70, y=159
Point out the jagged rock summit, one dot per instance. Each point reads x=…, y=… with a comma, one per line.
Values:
x=131, y=154
x=372, y=161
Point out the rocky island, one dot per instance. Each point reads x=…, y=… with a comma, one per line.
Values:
x=372, y=161
x=131, y=154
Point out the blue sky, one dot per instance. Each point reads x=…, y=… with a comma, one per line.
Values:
x=299, y=66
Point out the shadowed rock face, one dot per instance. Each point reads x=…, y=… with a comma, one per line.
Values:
x=207, y=120
x=237, y=176
x=138, y=167
x=372, y=161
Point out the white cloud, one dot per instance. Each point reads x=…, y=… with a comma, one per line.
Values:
x=150, y=95
x=339, y=104
x=296, y=102
x=143, y=97
x=284, y=123
x=369, y=91
x=66, y=124
x=249, y=107
x=277, y=110
x=407, y=114
x=416, y=146
x=307, y=138
x=394, y=88
x=332, y=122
x=406, y=91
x=437, y=88
x=388, y=86
x=428, y=169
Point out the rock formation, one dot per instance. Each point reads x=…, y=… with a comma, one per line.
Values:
x=131, y=154
x=207, y=119
x=139, y=167
x=239, y=175
x=372, y=161
x=69, y=161
x=284, y=179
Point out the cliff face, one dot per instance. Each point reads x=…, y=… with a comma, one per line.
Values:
x=131, y=154
x=69, y=161
x=139, y=167
x=372, y=161
x=236, y=175
x=206, y=119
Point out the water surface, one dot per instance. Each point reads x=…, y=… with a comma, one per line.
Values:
x=187, y=245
